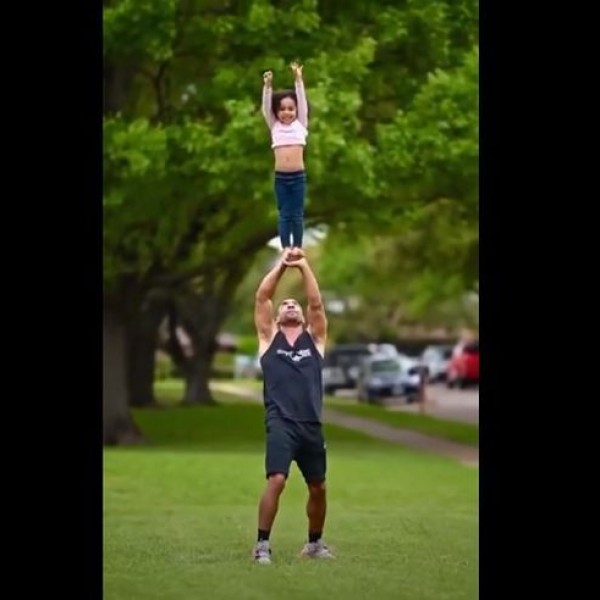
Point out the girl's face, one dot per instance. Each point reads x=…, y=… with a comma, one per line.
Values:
x=287, y=110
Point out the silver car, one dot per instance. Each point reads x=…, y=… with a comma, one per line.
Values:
x=435, y=359
x=342, y=365
x=384, y=376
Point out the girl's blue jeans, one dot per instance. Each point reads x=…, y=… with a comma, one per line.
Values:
x=290, y=190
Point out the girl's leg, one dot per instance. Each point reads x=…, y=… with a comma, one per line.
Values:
x=285, y=232
x=297, y=227
x=284, y=223
x=298, y=192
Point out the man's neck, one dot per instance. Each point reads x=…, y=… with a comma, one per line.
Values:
x=292, y=331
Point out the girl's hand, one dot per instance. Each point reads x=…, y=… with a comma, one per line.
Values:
x=268, y=77
x=296, y=70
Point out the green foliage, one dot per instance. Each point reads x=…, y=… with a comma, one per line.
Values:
x=419, y=274
x=190, y=182
x=164, y=368
x=248, y=344
x=139, y=29
x=223, y=365
x=432, y=149
x=392, y=149
x=419, y=256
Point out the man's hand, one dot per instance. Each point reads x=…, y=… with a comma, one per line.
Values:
x=291, y=256
x=268, y=78
x=295, y=262
x=315, y=314
x=296, y=70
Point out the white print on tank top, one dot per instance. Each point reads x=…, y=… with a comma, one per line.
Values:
x=296, y=355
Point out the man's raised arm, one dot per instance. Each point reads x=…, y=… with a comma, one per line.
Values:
x=315, y=315
x=263, y=306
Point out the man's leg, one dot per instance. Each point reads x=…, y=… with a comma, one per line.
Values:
x=269, y=503
x=316, y=509
x=267, y=510
x=312, y=462
x=278, y=457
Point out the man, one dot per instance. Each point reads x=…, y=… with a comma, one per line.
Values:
x=291, y=357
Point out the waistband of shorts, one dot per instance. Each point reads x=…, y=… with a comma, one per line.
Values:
x=287, y=422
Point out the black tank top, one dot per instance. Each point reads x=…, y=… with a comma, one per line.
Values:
x=292, y=376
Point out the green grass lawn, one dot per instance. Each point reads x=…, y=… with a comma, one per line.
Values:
x=464, y=433
x=180, y=516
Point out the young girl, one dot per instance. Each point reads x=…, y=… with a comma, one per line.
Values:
x=286, y=114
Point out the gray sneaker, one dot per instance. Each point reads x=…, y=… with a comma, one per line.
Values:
x=262, y=553
x=316, y=550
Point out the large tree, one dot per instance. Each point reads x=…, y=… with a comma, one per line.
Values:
x=188, y=199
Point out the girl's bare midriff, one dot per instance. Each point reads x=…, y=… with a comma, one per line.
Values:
x=289, y=158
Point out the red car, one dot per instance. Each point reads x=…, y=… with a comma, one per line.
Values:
x=463, y=367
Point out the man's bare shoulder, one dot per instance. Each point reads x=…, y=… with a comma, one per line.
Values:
x=264, y=343
x=318, y=342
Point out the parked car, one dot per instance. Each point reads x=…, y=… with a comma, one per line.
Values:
x=258, y=373
x=247, y=366
x=342, y=366
x=383, y=376
x=463, y=368
x=386, y=349
x=412, y=374
x=435, y=359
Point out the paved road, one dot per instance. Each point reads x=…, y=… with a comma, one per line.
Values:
x=456, y=405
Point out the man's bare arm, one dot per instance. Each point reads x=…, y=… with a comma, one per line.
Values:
x=263, y=306
x=315, y=315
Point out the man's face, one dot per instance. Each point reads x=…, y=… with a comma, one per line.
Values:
x=290, y=313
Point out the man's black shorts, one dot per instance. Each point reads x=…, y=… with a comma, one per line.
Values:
x=303, y=442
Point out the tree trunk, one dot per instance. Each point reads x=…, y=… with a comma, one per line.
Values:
x=142, y=343
x=202, y=317
x=118, y=426
x=140, y=376
x=196, y=315
x=117, y=85
x=201, y=313
x=197, y=377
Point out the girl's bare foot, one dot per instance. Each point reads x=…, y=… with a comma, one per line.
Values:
x=293, y=254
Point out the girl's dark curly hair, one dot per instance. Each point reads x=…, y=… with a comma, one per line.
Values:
x=280, y=95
